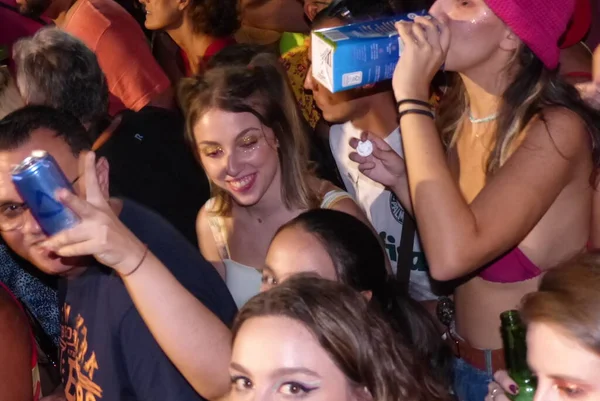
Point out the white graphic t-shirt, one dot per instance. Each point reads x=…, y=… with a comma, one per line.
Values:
x=381, y=205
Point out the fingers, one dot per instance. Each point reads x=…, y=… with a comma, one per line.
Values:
x=436, y=32
x=356, y=158
x=79, y=249
x=93, y=193
x=505, y=382
x=74, y=235
x=429, y=29
x=405, y=33
x=379, y=143
x=81, y=208
x=420, y=35
x=495, y=393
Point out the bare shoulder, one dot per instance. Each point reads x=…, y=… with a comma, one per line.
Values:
x=206, y=239
x=202, y=224
x=559, y=130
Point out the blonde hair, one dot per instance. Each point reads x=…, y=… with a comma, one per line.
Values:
x=259, y=88
x=569, y=298
x=10, y=98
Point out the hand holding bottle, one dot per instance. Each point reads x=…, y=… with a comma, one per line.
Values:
x=501, y=385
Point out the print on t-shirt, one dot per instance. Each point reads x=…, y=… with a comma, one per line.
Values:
x=78, y=359
x=381, y=205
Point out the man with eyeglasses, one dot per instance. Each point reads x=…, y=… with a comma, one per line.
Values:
x=107, y=352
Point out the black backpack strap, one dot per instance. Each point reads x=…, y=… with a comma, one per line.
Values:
x=405, y=251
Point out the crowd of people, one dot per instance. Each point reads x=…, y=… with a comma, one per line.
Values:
x=234, y=243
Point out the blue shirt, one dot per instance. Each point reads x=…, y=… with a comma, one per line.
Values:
x=107, y=352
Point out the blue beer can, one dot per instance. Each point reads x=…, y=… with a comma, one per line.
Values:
x=37, y=178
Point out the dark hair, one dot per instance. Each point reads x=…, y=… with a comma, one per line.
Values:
x=359, y=261
x=356, y=337
x=568, y=297
x=239, y=54
x=261, y=89
x=16, y=128
x=218, y=18
x=533, y=90
x=58, y=70
x=349, y=11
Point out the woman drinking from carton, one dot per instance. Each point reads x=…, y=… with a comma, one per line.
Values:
x=502, y=181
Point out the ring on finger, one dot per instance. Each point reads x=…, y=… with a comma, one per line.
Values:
x=495, y=393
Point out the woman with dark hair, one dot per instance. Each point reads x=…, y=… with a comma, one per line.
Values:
x=199, y=27
x=318, y=337
x=563, y=334
x=338, y=247
x=502, y=181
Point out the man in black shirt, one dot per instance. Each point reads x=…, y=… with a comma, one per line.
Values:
x=107, y=352
x=150, y=161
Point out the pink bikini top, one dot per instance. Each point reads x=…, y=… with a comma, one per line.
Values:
x=512, y=267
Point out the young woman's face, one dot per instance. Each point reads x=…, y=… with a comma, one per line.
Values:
x=162, y=14
x=293, y=251
x=565, y=369
x=239, y=154
x=477, y=34
x=277, y=358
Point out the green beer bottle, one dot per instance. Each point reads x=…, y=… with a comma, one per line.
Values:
x=515, y=354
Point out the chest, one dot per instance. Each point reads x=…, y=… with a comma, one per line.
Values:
x=89, y=353
x=248, y=239
x=468, y=161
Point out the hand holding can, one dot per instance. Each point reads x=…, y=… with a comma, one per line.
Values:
x=37, y=178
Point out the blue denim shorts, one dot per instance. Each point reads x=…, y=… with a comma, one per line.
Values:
x=470, y=383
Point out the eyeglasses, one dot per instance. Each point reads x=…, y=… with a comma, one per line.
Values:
x=12, y=215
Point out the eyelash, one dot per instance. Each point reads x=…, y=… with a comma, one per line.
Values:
x=235, y=381
x=570, y=391
x=303, y=390
x=268, y=279
x=247, y=143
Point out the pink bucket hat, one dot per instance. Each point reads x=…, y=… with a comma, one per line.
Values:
x=538, y=23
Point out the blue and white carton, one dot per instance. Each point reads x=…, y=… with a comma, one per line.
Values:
x=358, y=54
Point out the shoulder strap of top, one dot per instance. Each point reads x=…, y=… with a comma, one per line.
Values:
x=334, y=196
x=217, y=228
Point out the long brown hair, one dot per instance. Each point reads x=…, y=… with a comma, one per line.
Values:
x=259, y=88
x=533, y=90
x=354, y=335
x=569, y=297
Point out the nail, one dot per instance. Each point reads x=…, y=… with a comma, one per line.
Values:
x=513, y=389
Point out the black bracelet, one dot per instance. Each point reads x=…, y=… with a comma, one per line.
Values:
x=414, y=101
x=416, y=111
x=139, y=263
